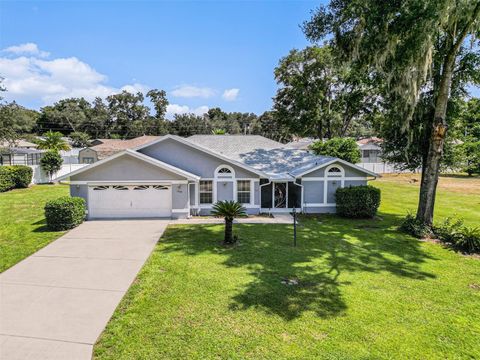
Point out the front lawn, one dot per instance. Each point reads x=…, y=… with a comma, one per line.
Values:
x=22, y=227
x=350, y=290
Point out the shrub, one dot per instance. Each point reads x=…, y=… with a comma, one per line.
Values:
x=472, y=157
x=449, y=231
x=358, y=201
x=21, y=175
x=6, y=179
x=469, y=241
x=65, y=213
x=51, y=162
x=342, y=148
x=415, y=227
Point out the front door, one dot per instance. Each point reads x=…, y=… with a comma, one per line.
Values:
x=280, y=195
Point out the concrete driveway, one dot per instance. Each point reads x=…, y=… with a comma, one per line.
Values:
x=55, y=303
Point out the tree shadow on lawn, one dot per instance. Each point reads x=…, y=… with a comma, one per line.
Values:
x=289, y=281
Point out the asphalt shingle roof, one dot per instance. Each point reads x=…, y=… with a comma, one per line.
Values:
x=109, y=147
x=261, y=153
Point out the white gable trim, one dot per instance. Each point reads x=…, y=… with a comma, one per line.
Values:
x=205, y=150
x=367, y=172
x=139, y=156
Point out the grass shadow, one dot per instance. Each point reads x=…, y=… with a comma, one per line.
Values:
x=289, y=281
x=41, y=226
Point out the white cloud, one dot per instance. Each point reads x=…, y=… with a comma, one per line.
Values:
x=173, y=109
x=230, y=94
x=27, y=48
x=29, y=78
x=189, y=91
x=134, y=88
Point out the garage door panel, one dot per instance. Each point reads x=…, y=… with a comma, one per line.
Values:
x=118, y=201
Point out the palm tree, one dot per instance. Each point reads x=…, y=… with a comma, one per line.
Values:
x=219, y=132
x=53, y=141
x=228, y=210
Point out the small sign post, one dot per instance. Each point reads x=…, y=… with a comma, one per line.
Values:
x=294, y=227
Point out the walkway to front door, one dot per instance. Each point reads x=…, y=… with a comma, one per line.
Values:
x=55, y=303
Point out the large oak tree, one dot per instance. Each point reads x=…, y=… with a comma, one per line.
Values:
x=403, y=41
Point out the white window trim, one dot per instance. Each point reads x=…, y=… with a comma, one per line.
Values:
x=251, y=205
x=214, y=191
x=328, y=178
x=251, y=202
x=230, y=177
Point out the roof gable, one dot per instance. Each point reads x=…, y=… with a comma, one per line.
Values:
x=137, y=156
x=301, y=171
x=192, y=145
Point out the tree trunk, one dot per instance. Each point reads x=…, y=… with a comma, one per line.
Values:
x=228, y=239
x=428, y=187
x=439, y=127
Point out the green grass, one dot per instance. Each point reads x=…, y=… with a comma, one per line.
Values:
x=364, y=291
x=398, y=197
x=22, y=227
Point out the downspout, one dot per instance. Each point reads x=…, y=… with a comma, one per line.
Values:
x=188, y=199
x=260, y=189
x=301, y=185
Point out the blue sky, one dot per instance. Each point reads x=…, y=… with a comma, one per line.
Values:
x=204, y=54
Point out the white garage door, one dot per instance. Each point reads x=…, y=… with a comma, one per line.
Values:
x=130, y=201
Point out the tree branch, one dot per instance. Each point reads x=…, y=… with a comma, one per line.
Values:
x=463, y=34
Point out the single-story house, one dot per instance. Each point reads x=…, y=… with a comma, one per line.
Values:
x=177, y=177
x=103, y=148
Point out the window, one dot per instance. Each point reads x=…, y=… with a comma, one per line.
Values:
x=120, y=187
x=141, y=187
x=334, y=172
x=160, y=187
x=224, y=172
x=87, y=160
x=100, y=188
x=206, y=192
x=243, y=191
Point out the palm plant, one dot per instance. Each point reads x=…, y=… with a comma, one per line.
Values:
x=219, y=132
x=229, y=210
x=53, y=141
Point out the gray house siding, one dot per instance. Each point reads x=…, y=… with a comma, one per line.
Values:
x=256, y=193
x=126, y=168
x=179, y=196
x=192, y=194
x=225, y=191
x=313, y=192
x=316, y=198
x=320, y=209
x=332, y=186
x=355, y=182
x=79, y=191
x=190, y=159
x=350, y=171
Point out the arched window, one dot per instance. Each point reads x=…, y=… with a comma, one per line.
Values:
x=334, y=171
x=224, y=172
